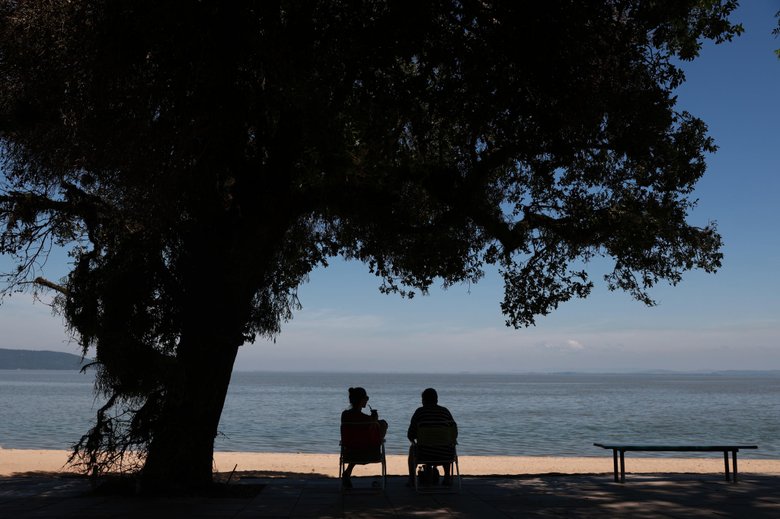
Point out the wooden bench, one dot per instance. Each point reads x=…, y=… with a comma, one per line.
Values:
x=725, y=449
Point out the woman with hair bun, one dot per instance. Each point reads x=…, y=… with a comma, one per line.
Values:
x=358, y=400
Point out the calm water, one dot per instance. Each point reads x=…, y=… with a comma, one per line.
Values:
x=497, y=414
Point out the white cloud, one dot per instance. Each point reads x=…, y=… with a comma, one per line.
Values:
x=562, y=345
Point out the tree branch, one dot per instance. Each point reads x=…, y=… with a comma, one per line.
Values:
x=50, y=284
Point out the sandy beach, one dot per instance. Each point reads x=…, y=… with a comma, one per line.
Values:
x=19, y=461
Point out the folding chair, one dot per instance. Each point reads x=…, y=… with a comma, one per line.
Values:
x=362, y=444
x=437, y=445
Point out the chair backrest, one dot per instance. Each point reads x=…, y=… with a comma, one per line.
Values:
x=437, y=434
x=360, y=435
x=436, y=442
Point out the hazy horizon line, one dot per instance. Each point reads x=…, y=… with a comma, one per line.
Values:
x=552, y=372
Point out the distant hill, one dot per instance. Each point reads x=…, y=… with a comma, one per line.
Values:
x=29, y=359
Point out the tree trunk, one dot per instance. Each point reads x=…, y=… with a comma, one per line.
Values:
x=182, y=449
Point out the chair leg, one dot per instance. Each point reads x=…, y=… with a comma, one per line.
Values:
x=454, y=476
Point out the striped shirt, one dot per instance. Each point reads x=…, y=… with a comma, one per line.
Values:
x=431, y=414
x=428, y=413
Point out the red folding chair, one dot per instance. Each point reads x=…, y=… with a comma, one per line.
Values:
x=362, y=444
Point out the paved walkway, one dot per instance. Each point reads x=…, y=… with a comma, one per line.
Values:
x=668, y=495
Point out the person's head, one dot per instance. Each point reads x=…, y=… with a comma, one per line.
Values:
x=430, y=397
x=358, y=397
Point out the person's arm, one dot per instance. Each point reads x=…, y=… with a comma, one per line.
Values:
x=454, y=423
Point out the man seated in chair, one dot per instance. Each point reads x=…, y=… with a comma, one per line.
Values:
x=430, y=412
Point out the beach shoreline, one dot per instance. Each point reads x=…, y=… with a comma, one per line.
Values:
x=22, y=461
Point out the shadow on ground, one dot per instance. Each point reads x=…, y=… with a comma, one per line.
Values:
x=308, y=495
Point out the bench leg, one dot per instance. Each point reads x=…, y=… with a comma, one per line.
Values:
x=622, y=467
x=615, y=464
x=726, y=462
x=734, y=458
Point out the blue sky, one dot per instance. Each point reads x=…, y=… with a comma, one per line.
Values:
x=709, y=322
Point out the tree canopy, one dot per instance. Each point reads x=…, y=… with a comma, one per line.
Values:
x=198, y=159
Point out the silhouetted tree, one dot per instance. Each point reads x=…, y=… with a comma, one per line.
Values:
x=198, y=159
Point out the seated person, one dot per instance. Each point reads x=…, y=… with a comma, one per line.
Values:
x=430, y=411
x=358, y=399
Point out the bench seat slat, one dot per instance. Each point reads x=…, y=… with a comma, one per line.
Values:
x=680, y=448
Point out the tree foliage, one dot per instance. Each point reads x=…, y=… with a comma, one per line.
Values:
x=198, y=159
x=776, y=31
